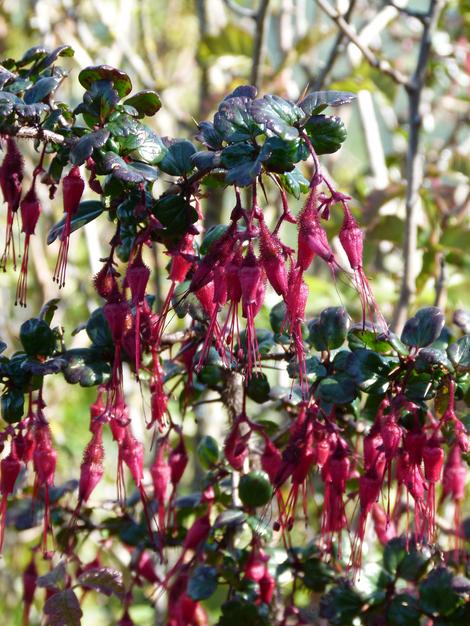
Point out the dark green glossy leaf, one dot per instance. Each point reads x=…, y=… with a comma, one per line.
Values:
x=437, y=594
x=326, y=133
x=341, y=605
x=258, y=388
x=177, y=160
x=41, y=89
x=88, y=210
x=403, y=610
x=423, y=328
x=277, y=115
x=111, y=163
x=316, y=101
x=337, y=389
x=234, y=120
x=202, y=583
x=237, y=612
x=47, y=60
x=12, y=404
x=459, y=353
x=146, y=102
x=175, y=213
x=151, y=148
x=121, y=81
x=84, y=147
x=209, y=136
x=37, y=338
x=213, y=234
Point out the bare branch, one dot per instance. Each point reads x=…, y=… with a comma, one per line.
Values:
x=259, y=42
x=419, y=15
x=31, y=132
x=380, y=64
x=335, y=51
x=414, y=167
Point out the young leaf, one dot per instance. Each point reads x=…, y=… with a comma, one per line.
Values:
x=63, y=609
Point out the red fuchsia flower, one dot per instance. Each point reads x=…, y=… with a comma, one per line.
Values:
x=236, y=444
x=251, y=276
x=144, y=566
x=24, y=446
x=370, y=485
x=296, y=302
x=267, y=587
x=30, y=209
x=453, y=486
x=161, y=477
x=272, y=259
x=137, y=277
x=384, y=528
x=351, y=238
x=158, y=397
x=9, y=470
x=411, y=477
x=44, y=460
x=118, y=316
x=433, y=457
x=72, y=190
x=11, y=176
x=105, y=281
x=335, y=474
x=93, y=182
x=312, y=238
x=91, y=469
x=30, y=576
x=195, y=537
x=255, y=567
x=271, y=459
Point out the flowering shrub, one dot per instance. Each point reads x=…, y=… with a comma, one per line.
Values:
x=370, y=435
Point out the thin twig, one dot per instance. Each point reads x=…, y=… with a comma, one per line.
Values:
x=239, y=10
x=419, y=15
x=32, y=132
x=414, y=167
x=334, y=52
x=380, y=64
x=260, y=23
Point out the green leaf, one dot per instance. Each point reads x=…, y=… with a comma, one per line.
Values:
x=459, y=353
x=258, y=388
x=84, y=147
x=175, y=213
x=337, y=389
x=230, y=517
x=213, y=234
x=12, y=404
x=88, y=210
x=437, y=595
x=237, y=612
x=54, y=577
x=120, y=80
x=48, y=309
x=234, y=120
x=146, y=102
x=151, y=148
x=341, y=605
x=177, y=160
x=277, y=316
x=37, y=338
x=106, y=580
x=317, y=574
x=86, y=367
x=128, y=133
x=326, y=133
x=294, y=182
x=97, y=329
x=330, y=330
x=403, y=610
x=424, y=328
x=63, y=609
x=316, y=101
x=46, y=61
x=202, y=583
x=244, y=162
x=394, y=553
x=112, y=163
x=208, y=452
